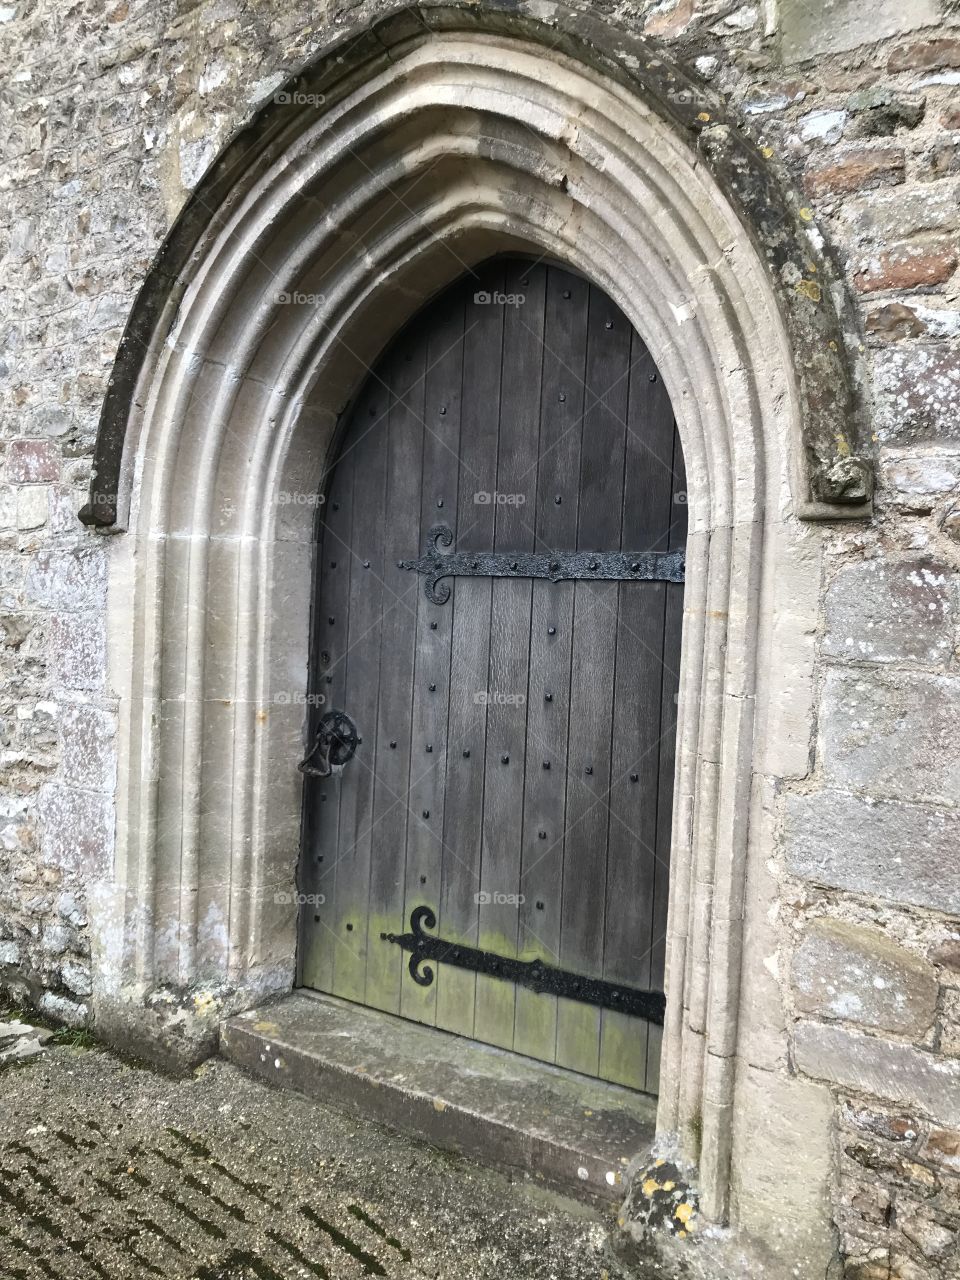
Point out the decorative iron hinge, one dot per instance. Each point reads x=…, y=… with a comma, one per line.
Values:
x=534, y=974
x=557, y=566
x=334, y=745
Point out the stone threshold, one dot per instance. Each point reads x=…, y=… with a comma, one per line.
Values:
x=568, y=1131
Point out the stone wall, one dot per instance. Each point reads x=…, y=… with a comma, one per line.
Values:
x=111, y=114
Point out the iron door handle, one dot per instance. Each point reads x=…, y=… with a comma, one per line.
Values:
x=334, y=745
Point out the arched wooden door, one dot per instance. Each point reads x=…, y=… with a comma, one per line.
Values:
x=493, y=859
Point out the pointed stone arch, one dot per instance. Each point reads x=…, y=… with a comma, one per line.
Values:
x=403, y=155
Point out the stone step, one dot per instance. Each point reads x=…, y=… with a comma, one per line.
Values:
x=569, y=1131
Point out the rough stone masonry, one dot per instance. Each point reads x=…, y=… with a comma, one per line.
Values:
x=111, y=114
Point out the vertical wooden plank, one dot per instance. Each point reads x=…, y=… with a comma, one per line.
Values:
x=593, y=676
x=362, y=562
x=398, y=754
x=632, y=845
x=561, y=410
x=510, y=646
x=432, y=670
x=471, y=623
x=668, y=738
x=318, y=867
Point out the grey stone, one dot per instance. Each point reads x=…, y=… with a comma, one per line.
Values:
x=915, y=481
x=811, y=28
x=56, y=939
x=60, y=1009
x=879, y=611
x=851, y=972
x=76, y=978
x=71, y=580
x=87, y=743
x=917, y=389
x=78, y=829
x=893, y=734
x=78, y=649
x=906, y=853
x=71, y=910
x=9, y=953
x=883, y=1068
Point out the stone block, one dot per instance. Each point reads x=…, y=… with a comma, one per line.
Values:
x=32, y=462
x=916, y=480
x=858, y=974
x=893, y=734
x=88, y=752
x=916, y=394
x=942, y=160
x=882, y=216
x=812, y=28
x=899, y=611
x=784, y=1203
x=907, y=266
x=857, y=169
x=72, y=580
x=905, y=853
x=883, y=1068
x=60, y=1009
x=77, y=829
x=942, y=1147
x=926, y=55
x=879, y=112
x=950, y=1023
x=76, y=978
x=31, y=507
x=78, y=650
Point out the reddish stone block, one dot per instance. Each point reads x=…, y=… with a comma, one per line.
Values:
x=859, y=169
x=32, y=462
x=925, y=55
x=908, y=267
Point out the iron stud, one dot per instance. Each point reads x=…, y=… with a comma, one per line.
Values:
x=634, y=777
x=426, y=813
x=429, y=748
x=433, y=688
x=433, y=626
x=393, y=745
x=539, y=906
x=589, y=769
x=548, y=697
x=504, y=759
x=466, y=754
x=551, y=631
x=546, y=764
x=542, y=835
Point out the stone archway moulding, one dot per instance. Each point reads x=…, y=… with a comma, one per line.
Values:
x=407, y=152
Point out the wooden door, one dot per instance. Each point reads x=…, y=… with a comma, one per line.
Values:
x=499, y=594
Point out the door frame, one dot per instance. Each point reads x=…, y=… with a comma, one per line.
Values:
x=224, y=403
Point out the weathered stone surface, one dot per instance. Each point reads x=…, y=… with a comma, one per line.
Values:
x=887, y=849
x=857, y=169
x=916, y=391
x=942, y=1146
x=907, y=266
x=78, y=829
x=880, y=112
x=947, y=954
x=925, y=55
x=71, y=580
x=881, y=611
x=893, y=734
x=884, y=216
x=895, y=321
x=60, y=1009
x=950, y=1023
x=32, y=462
x=883, y=1068
x=78, y=649
x=87, y=747
x=858, y=974
x=942, y=160
x=916, y=480
x=820, y=27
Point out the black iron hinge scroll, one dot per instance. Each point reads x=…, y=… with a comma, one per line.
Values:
x=533, y=974
x=555, y=566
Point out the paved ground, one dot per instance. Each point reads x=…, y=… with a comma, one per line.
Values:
x=110, y=1170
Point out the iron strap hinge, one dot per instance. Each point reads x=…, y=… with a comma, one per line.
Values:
x=534, y=974
x=556, y=566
